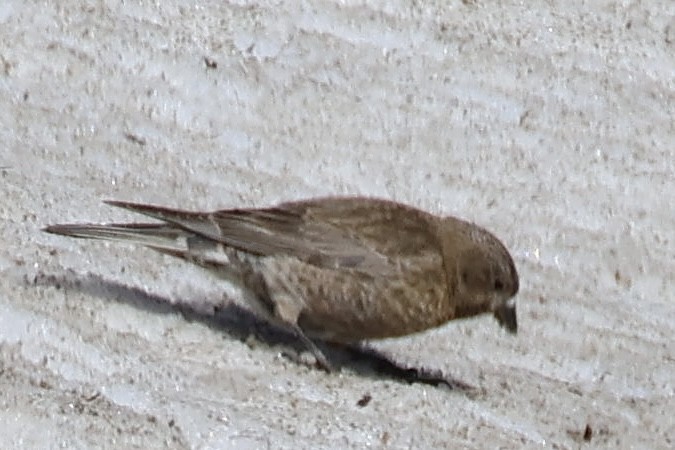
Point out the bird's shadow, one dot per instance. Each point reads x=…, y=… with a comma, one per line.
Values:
x=240, y=323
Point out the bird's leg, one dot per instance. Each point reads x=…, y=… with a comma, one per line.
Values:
x=281, y=304
x=287, y=311
x=321, y=359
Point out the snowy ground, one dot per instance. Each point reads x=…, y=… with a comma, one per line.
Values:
x=550, y=123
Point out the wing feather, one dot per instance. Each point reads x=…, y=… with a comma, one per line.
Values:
x=368, y=235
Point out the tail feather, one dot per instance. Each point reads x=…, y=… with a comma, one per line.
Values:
x=161, y=236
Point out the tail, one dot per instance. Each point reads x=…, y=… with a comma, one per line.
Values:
x=161, y=236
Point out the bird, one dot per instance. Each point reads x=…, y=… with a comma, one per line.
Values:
x=335, y=269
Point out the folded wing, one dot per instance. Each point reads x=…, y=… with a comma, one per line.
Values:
x=367, y=235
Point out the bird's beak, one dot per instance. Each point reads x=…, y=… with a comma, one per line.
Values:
x=505, y=313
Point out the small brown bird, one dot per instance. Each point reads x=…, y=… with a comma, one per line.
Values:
x=337, y=269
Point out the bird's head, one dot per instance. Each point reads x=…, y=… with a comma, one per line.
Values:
x=487, y=280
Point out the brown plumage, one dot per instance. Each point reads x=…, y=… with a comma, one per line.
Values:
x=337, y=269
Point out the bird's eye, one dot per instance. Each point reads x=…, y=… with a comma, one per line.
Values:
x=499, y=285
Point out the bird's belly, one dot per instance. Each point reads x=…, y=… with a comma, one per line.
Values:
x=349, y=306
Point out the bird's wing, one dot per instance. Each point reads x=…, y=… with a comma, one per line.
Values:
x=367, y=235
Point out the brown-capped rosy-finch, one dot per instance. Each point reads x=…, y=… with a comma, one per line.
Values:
x=337, y=269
